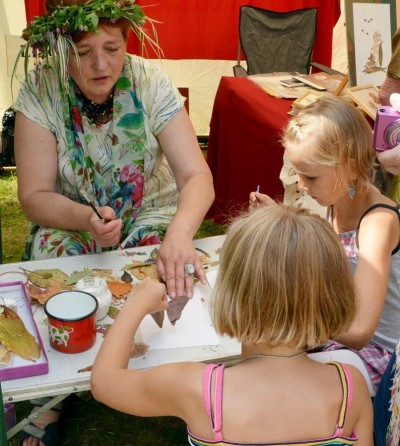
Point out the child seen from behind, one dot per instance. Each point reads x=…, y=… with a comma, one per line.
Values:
x=278, y=293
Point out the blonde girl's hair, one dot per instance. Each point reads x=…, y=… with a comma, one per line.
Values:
x=332, y=131
x=283, y=279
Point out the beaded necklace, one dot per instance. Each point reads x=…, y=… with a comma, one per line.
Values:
x=97, y=114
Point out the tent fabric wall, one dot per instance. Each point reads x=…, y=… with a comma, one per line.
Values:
x=209, y=29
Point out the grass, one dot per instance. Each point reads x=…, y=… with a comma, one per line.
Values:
x=88, y=422
x=14, y=225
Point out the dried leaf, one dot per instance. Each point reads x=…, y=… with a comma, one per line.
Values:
x=158, y=318
x=154, y=254
x=107, y=274
x=134, y=264
x=5, y=356
x=78, y=275
x=42, y=277
x=146, y=271
x=42, y=294
x=119, y=289
x=113, y=312
x=16, y=338
x=126, y=277
x=139, y=349
x=175, y=308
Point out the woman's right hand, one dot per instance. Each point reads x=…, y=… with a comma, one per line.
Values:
x=105, y=232
x=256, y=200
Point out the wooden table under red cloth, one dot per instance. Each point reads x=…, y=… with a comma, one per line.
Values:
x=244, y=145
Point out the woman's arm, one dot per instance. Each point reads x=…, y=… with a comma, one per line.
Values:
x=378, y=236
x=36, y=158
x=196, y=194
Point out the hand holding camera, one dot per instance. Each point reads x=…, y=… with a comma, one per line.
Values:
x=387, y=125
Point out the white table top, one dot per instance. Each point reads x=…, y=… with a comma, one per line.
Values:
x=63, y=376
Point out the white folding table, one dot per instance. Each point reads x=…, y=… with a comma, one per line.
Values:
x=64, y=375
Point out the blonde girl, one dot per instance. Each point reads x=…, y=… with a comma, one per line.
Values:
x=329, y=145
x=278, y=293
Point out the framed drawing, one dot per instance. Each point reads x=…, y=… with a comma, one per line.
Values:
x=370, y=25
x=307, y=98
x=366, y=97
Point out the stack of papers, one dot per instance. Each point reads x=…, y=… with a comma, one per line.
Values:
x=295, y=85
x=271, y=83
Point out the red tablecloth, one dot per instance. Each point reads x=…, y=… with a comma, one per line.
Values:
x=244, y=149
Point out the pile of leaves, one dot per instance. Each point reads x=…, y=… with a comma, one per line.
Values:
x=44, y=283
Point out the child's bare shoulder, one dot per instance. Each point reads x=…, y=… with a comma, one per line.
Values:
x=360, y=388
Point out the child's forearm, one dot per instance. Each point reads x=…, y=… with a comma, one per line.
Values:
x=116, y=347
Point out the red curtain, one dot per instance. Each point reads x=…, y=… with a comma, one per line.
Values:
x=32, y=8
x=209, y=29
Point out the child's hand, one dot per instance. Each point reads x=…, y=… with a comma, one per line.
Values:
x=149, y=295
x=257, y=200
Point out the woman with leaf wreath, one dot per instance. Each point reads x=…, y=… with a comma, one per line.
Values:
x=97, y=126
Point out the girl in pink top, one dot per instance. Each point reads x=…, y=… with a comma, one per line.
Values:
x=278, y=292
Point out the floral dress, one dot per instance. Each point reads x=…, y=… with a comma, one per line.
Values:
x=119, y=164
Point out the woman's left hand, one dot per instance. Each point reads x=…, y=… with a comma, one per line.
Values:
x=175, y=253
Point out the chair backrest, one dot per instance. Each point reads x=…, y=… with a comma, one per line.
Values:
x=277, y=41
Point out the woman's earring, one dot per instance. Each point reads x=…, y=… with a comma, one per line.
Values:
x=352, y=191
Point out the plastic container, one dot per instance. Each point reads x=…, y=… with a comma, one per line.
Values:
x=97, y=287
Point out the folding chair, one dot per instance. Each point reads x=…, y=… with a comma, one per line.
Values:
x=275, y=41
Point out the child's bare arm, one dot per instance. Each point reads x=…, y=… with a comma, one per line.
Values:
x=155, y=392
x=362, y=409
x=378, y=236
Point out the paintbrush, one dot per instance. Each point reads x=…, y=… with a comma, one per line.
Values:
x=86, y=198
x=257, y=191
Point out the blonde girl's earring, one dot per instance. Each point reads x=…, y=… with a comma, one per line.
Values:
x=352, y=191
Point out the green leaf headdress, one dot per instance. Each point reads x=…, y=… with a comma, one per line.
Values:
x=49, y=37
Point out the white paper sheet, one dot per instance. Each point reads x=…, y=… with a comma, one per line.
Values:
x=193, y=329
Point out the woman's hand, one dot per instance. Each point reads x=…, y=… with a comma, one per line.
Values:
x=196, y=194
x=389, y=86
x=149, y=295
x=256, y=200
x=175, y=251
x=106, y=231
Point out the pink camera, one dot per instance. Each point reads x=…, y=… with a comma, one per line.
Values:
x=387, y=129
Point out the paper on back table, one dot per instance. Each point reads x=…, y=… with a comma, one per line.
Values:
x=193, y=329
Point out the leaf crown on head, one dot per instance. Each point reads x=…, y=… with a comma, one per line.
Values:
x=49, y=37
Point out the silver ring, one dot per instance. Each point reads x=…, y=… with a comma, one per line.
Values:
x=189, y=269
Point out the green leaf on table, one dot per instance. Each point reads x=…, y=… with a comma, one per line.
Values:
x=43, y=277
x=78, y=275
